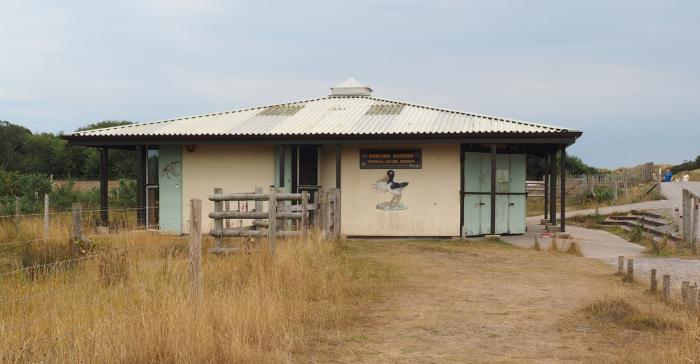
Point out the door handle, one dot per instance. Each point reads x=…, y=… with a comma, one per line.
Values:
x=511, y=204
x=482, y=203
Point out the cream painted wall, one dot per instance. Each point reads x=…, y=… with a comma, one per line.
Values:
x=235, y=168
x=432, y=196
x=327, y=166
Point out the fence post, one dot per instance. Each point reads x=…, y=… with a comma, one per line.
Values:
x=630, y=269
x=17, y=213
x=666, y=287
x=304, y=215
x=196, y=249
x=652, y=288
x=677, y=219
x=620, y=264
x=272, y=219
x=77, y=228
x=46, y=216
x=684, y=291
x=219, y=223
x=694, y=223
x=692, y=297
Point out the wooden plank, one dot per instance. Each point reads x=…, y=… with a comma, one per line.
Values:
x=653, y=286
x=247, y=196
x=243, y=232
x=195, y=251
x=253, y=215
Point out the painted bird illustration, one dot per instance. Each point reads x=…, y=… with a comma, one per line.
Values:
x=387, y=184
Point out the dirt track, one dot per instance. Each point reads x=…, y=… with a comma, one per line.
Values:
x=477, y=302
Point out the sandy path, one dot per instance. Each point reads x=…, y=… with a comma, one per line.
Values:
x=471, y=302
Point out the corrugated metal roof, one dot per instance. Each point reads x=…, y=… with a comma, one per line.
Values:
x=332, y=115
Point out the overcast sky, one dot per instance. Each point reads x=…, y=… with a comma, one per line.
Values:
x=627, y=73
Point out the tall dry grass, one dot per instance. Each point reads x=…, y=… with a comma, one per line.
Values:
x=671, y=334
x=127, y=299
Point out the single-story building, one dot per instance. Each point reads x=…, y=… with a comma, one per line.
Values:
x=403, y=169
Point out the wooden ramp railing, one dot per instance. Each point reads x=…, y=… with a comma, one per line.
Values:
x=276, y=219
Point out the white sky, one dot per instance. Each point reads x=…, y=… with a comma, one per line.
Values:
x=627, y=73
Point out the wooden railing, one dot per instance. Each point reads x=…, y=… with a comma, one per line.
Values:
x=324, y=215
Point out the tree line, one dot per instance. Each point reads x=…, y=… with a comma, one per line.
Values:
x=29, y=160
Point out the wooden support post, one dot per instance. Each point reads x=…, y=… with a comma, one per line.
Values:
x=546, y=192
x=493, y=189
x=653, y=287
x=46, y=216
x=218, y=223
x=17, y=213
x=104, y=188
x=77, y=225
x=272, y=219
x=142, y=158
x=684, y=291
x=196, y=250
x=677, y=219
x=562, y=202
x=630, y=268
x=620, y=264
x=304, y=223
x=553, y=188
x=666, y=287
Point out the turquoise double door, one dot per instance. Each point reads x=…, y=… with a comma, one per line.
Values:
x=510, y=198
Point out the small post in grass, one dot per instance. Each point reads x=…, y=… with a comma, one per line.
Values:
x=77, y=210
x=17, y=213
x=46, y=216
x=653, y=287
x=692, y=301
x=630, y=269
x=620, y=264
x=196, y=249
x=667, y=287
x=684, y=291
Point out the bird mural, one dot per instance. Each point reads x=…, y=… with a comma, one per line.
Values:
x=387, y=184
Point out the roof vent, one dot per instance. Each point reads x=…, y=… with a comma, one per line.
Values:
x=351, y=87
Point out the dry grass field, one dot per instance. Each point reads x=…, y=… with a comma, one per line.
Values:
x=466, y=302
x=125, y=298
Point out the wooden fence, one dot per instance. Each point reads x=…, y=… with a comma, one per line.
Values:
x=281, y=220
x=689, y=296
x=690, y=219
x=619, y=182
